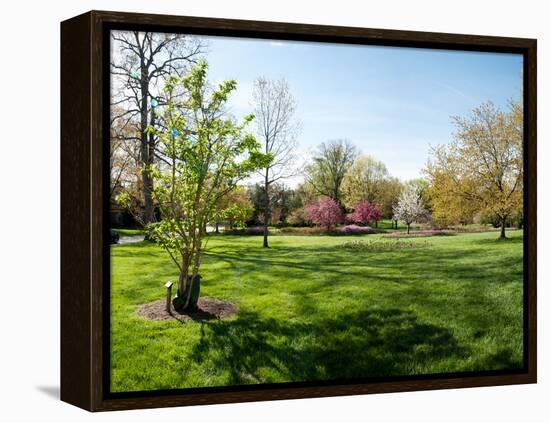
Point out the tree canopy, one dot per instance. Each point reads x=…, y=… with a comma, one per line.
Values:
x=364, y=181
x=481, y=171
x=324, y=212
x=143, y=62
x=409, y=207
x=204, y=156
x=329, y=167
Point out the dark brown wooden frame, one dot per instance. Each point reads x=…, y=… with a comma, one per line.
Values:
x=83, y=228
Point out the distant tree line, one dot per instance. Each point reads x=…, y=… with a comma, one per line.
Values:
x=478, y=177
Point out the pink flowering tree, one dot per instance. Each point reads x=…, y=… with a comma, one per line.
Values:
x=324, y=212
x=366, y=212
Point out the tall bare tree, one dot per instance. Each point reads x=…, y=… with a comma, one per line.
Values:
x=124, y=157
x=277, y=129
x=139, y=64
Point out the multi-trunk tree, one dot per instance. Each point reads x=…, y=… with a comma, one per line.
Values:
x=204, y=156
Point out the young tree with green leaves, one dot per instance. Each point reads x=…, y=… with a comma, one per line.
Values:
x=204, y=155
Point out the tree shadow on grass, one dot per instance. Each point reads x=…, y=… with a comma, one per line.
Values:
x=143, y=249
x=496, y=241
x=503, y=359
x=417, y=264
x=372, y=342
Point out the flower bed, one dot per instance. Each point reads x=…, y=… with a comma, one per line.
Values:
x=383, y=245
x=356, y=230
x=420, y=233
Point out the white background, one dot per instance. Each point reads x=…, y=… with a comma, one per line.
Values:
x=29, y=209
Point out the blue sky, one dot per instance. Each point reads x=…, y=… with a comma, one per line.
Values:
x=392, y=103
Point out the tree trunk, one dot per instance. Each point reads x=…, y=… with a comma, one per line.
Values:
x=188, y=283
x=148, y=212
x=182, y=281
x=217, y=227
x=266, y=210
x=503, y=228
x=146, y=150
x=408, y=228
x=191, y=303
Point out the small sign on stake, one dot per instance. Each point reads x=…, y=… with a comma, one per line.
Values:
x=168, y=286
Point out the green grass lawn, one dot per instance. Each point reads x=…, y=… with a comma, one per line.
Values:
x=310, y=309
x=129, y=232
x=388, y=225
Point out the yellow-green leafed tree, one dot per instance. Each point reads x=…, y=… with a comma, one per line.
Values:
x=451, y=201
x=390, y=192
x=235, y=208
x=482, y=169
x=364, y=181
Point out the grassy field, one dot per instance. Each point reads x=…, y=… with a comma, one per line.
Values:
x=129, y=232
x=311, y=308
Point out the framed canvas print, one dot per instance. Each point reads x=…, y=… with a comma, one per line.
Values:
x=257, y=210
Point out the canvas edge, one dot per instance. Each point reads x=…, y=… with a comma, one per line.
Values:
x=82, y=333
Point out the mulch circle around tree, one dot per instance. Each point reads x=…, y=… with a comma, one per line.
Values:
x=208, y=309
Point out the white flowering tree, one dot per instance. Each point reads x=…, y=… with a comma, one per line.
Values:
x=409, y=207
